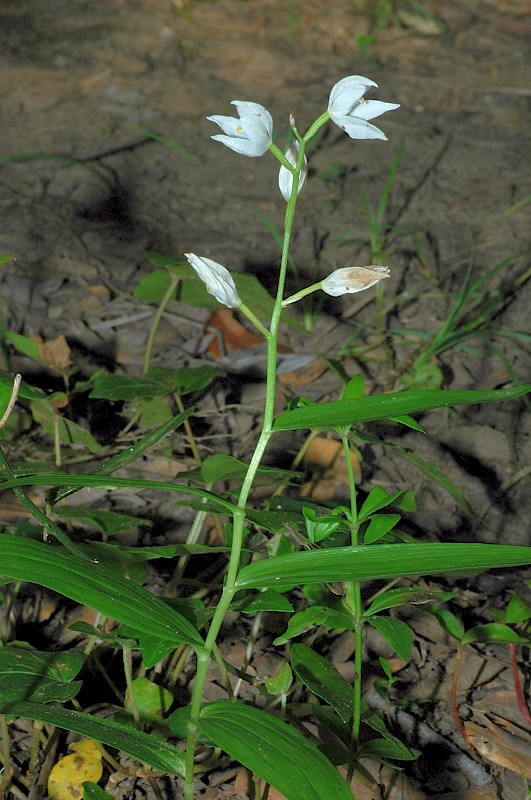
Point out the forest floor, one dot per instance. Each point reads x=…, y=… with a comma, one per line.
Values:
x=106, y=156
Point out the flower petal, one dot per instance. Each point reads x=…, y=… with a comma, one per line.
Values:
x=359, y=128
x=373, y=108
x=348, y=91
x=352, y=279
x=217, y=279
x=251, y=134
x=285, y=177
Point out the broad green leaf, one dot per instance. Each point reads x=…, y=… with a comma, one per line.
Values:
x=152, y=287
x=517, y=610
x=186, y=379
x=91, y=791
x=269, y=600
x=323, y=679
x=379, y=525
x=366, y=409
x=396, y=633
x=122, y=387
x=280, y=683
x=274, y=751
x=405, y=595
x=109, y=523
x=153, y=412
x=69, y=432
x=27, y=674
x=378, y=498
x=93, y=585
x=493, y=632
x=5, y=259
x=142, y=746
x=301, y=622
x=152, y=700
x=380, y=561
x=223, y=467
x=354, y=389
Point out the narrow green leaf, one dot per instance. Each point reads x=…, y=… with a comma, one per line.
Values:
x=396, y=633
x=378, y=561
x=405, y=595
x=301, y=622
x=366, y=409
x=493, y=632
x=142, y=746
x=93, y=585
x=270, y=748
x=448, y=621
x=122, y=387
x=108, y=523
x=104, y=482
x=323, y=679
x=26, y=391
x=385, y=748
x=129, y=455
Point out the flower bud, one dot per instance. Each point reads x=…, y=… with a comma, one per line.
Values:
x=352, y=279
x=285, y=177
x=217, y=279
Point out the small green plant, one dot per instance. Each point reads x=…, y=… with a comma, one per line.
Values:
x=325, y=552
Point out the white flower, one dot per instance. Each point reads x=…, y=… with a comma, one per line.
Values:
x=250, y=135
x=285, y=177
x=352, y=279
x=217, y=280
x=351, y=112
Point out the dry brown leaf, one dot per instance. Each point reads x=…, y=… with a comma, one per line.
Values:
x=330, y=456
x=55, y=353
x=503, y=744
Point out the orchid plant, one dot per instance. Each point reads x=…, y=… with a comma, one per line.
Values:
x=343, y=546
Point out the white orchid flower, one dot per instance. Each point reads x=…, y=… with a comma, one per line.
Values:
x=285, y=177
x=251, y=134
x=352, y=279
x=217, y=279
x=351, y=112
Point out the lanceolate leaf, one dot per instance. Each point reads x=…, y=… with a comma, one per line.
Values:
x=96, y=586
x=270, y=748
x=366, y=409
x=142, y=746
x=323, y=679
x=378, y=561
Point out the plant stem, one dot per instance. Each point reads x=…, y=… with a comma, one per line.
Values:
x=354, y=604
x=229, y=590
x=174, y=280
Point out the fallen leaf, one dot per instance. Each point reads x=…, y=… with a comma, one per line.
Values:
x=69, y=773
x=55, y=353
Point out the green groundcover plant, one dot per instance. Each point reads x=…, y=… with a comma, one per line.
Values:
x=336, y=549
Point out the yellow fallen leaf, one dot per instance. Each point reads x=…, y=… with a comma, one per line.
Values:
x=69, y=773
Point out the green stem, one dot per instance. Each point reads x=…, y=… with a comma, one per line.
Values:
x=294, y=298
x=230, y=588
x=354, y=604
x=174, y=280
